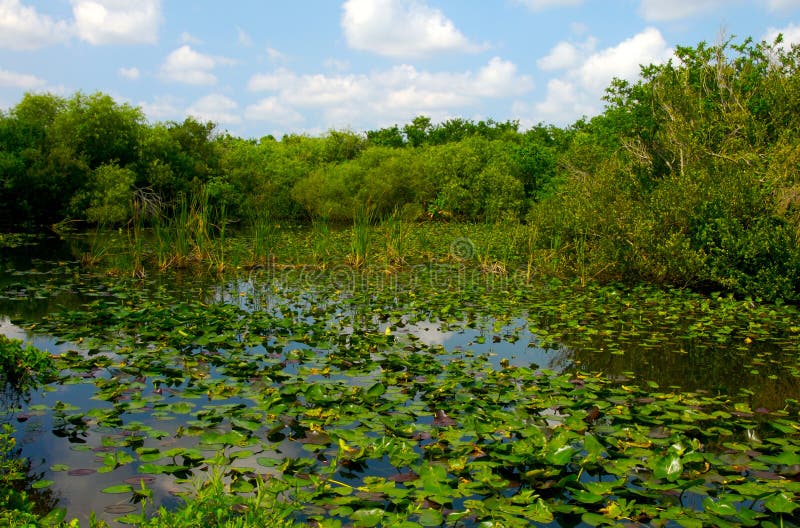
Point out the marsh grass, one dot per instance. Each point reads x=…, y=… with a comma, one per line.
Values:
x=263, y=242
x=396, y=231
x=320, y=242
x=98, y=247
x=360, y=237
x=201, y=239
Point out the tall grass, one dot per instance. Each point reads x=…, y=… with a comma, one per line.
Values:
x=320, y=240
x=264, y=240
x=359, y=242
x=396, y=232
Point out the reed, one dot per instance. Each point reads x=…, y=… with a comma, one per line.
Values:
x=360, y=237
x=396, y=236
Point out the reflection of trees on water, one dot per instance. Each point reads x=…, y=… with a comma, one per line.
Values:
x=15, y=470
x=692, y=365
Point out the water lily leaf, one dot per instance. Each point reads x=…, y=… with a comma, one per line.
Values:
x=562, y=455
x=153, y=469
x=595, y=519
x=669, y=467
x=119, y=509
x=227, y=438
x=269, y=461
x=586, y=497
x=59, y=467
x=430, y=517
x=121, y=488
x=375, y=391
x=780, y=503
x=41, y=484
x=786, y=458
x=594, y=449
x=181, y=407
x=367, y=517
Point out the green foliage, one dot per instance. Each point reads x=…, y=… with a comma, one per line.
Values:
x=216, y=504
x=109, y=195
x=23, y=366
x=689, y=177
x=685, y=179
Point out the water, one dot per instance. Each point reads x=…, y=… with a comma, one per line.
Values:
x=334, y=311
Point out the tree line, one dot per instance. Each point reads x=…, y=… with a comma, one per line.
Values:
x=691, y=175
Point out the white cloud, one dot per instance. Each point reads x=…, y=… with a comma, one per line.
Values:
x=275, y=55
x=20, y=80
x=791, y=35
x=188, y=38
x=625, y=59
x=129, y=73
x=564, y=100
x=399, y=93
x=668, y=10
x=539, y=5
x=337, y=65
x=23, y=28
x=782, y=5
x=271, y=109
x=565, y=55
x=188, y=66
x=162, y=108
x=401, y=28
x=579, y=89
x=243, y=38
x=217, y=108
x=117, y=21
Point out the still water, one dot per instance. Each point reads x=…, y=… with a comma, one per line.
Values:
x=99, y=426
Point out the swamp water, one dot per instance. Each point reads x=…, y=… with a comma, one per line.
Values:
x=435, y=394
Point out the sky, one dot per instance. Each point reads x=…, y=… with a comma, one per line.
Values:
x=258, y=67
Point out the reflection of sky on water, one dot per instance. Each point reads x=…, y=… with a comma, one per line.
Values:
x=44, y=342
x=513, y=342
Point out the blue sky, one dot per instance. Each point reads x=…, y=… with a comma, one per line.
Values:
x=260, y=67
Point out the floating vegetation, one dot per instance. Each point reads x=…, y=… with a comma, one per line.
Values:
x=350, y=396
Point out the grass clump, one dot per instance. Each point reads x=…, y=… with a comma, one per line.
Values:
x=23, y=367
x=215, y=504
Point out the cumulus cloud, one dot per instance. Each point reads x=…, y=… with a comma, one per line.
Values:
x=117, y=21
x=272, y=110
x=25, y=81
x=579, y=89
x=401, y=28
x=565, y=55
x=186, y=65
x=791, y=35
x=398, y=93
x=624, y=60
x=129, y=73
x=217, y=108
x=539, y=5
x=337, y=65
x=23, y=28
x=669, y=10
x=162, y=108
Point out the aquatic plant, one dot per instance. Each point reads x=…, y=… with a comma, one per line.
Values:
x=360, y=241
x=330, y=388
